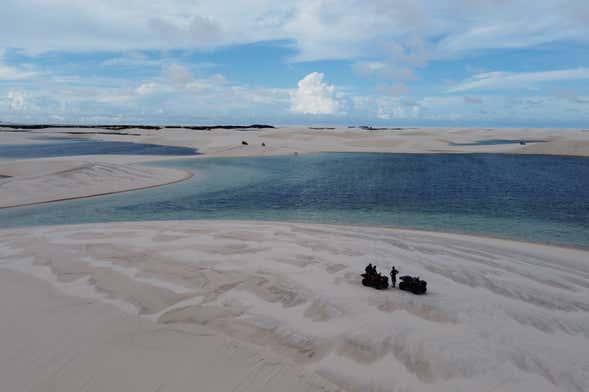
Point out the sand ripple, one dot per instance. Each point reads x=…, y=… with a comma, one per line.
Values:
x=505, y=315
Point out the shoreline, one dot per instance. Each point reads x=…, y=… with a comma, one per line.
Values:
x=40, y=181
x=188, y=175
x=473, y=235
x=441, y=152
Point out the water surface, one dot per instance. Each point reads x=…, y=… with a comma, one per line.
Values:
x=534, y=198
x=496, y=142
x=59, y=147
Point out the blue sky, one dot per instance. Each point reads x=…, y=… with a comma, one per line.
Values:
x=377, y=62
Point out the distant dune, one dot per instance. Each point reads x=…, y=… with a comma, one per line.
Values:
x=226, y=140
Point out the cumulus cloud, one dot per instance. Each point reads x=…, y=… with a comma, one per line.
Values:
x=503, y=80
x=385, y=40
x=314, y=96
x=158, y=100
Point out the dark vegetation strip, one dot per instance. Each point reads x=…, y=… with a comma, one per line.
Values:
x=369, y=128
x=124, y=127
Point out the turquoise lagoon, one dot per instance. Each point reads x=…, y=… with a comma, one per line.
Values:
x=533, y=198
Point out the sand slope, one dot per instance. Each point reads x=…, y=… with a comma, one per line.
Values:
x=41, y=181
x=499, y=315
x=53, y=342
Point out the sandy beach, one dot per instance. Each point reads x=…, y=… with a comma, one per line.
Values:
x=255, y=306
x=507, y=315
x=42, y=181
x=56, y=341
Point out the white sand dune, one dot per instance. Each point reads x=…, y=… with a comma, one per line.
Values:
x=289, y=139
x=499, y=315
x=54, y=342
x=40, y=181
x=176, y=306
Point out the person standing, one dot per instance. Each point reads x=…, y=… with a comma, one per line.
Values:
x=394, y=273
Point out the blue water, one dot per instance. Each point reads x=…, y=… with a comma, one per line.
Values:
x=535, y=198
x=495, y=142
x=59, y=147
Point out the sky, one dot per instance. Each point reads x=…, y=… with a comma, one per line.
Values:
x=501, y=63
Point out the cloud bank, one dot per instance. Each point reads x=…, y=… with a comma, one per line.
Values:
x=409, y=32
x=97, y=60
x=506, y=80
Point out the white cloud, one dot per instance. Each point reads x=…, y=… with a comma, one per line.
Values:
x=198, y=31
x=314, y=96
x=400, y=64
x=218, y=79
x=474, y=100
x=570, y=95
x=503, y=80
x=13, y=73
x=412, y=52
x=175, y=95
x=16, y=100
x=411, y=31
x=178, y=74
x=383, y=70
x=147, y=88
x=540, y=110
x=117, y=97
x=398, y=108
x=9, y=73
x=394, y=89
x=132, y=59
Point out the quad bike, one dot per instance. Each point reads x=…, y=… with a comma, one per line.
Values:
x=413, y=284
x=376, y=281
